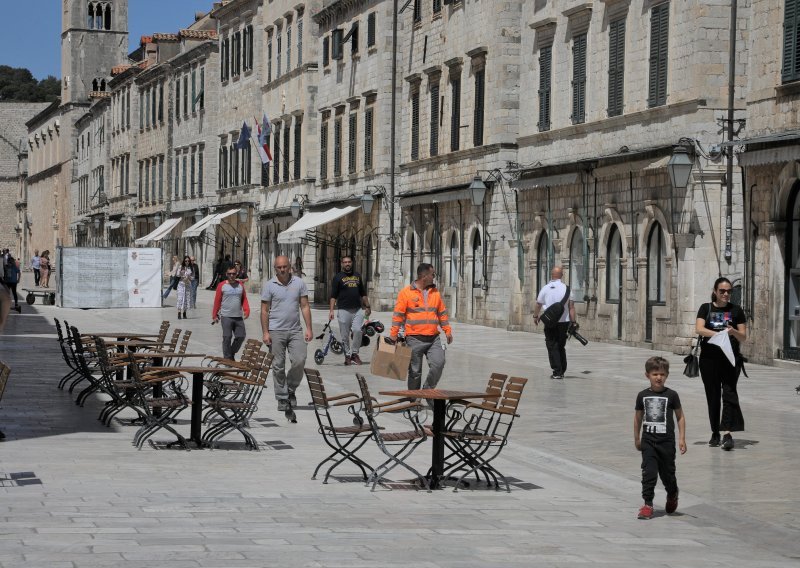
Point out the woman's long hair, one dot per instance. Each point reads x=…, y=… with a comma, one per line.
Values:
x=717, y=282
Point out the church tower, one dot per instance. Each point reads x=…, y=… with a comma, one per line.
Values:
x=94, y=38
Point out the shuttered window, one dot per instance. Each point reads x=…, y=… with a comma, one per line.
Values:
x=325, y=51
x=371, y=29
x=323, y=151
x=545, y=73
x=455, y=113
x=415, y=125
x=659, y=34
x=299, y=41
x=276, y=155
x=351, y=143
x=298, y=128
x=368, y=115
x=337, y=147
x=434, y=142
x=417, y=10
x=286, y=132
x=269, y=59
x=616, y=66
x=790, y=70
x=579, y=79
x=480, y=89
x=437, y=6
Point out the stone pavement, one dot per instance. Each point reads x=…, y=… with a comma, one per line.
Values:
x=75, y=493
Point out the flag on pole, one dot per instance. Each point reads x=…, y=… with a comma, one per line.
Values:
x=263, y=139
x=265, y=159
x=244, y=137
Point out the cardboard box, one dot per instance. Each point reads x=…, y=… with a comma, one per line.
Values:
x=390, y=361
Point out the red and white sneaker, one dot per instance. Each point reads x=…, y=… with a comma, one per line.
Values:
x=646, y=512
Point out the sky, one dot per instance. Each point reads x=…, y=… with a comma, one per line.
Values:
x=37, y=46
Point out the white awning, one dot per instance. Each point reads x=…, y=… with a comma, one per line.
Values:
x=544, y=181
x=113, y=224
x=161, y=231
x=313, y=220
x=206, y=222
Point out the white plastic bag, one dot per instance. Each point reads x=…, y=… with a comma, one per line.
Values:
x=722, y=340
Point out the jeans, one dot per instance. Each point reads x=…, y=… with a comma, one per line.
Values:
x=555, y=338
x=233, y=335
x=36, y=276
x=195, y=284
x=431, y=347
x=350, y=320
x=172, y=281
x=658, y=459
x=290, y=341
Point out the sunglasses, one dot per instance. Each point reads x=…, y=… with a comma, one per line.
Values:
x=724, y=291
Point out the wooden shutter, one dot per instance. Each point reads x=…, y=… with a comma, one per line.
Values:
x=298, y=128
x=616, y=67
x=371, y=29
x=286, y=133
x=545, y=69
x=325, y=52
x=579, y=79
x=323, y=150
x=455, y=113
x=480, y=87
x=659, y=52
x=434, y=122
x=790, y=71
x=337, y=147
x=351, y=142
x=415, y=125
x=368, y=138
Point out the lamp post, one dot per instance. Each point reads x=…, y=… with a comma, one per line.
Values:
x=367, y=201
x=295, y=208
x=680, y=167
x=477, y=190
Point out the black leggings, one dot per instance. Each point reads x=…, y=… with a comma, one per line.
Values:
x=720, y=379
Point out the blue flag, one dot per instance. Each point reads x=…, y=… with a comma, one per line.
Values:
x=244, y=137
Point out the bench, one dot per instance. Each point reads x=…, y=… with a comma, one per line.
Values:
x=48, y=296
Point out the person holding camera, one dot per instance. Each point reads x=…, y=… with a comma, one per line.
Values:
x=719, y=375
x=555, y=333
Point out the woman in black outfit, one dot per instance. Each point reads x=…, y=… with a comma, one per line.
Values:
x=719, y=376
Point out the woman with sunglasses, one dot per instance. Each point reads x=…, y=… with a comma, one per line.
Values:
x=185, y=277
x=719, y=376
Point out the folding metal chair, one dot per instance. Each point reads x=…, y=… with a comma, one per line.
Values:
x=407, y=441
x=345, y=441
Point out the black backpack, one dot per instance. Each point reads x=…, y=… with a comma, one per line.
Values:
x=551, y=316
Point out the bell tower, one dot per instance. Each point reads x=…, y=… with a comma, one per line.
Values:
x=94, y=38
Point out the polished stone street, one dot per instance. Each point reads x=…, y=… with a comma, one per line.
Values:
x=75, y=493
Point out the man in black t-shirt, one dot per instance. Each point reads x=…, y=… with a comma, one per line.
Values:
x=654, y=435
x=349, y=294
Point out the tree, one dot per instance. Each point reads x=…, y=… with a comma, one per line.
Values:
x=19, y=84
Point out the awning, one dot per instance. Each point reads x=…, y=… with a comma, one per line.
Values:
x=441, y=197
x=161, y=231
x=312, y=220
x=544, y=181
x=206, y=222
x=113, y=224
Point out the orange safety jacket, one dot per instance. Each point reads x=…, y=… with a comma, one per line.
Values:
x=422, y=312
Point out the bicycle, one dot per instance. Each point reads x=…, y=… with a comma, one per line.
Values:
x=331, y=344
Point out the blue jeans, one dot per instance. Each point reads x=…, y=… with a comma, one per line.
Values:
x=195, y=284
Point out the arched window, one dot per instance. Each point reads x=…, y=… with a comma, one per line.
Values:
x=453, y=281
x=107, y=21
x=98, y=16
x=103, y=85
x=90, y=19
x=577, y=267
x=542, y=272
x=614, y=266
x=477, y=260
x=656, y=269
x=412, y=258
x=95, y=85
x=368, y=259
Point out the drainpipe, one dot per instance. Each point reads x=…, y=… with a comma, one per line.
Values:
x=393, y=136
x=729, y=171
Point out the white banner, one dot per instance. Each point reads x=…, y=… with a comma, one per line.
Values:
x=110, y=278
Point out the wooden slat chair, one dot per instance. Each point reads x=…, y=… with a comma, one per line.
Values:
x=159, y=409
x=86, y=359
x=407, y=441
x=5, y=371
x=345, y=441
x=252, y=357
x=476, y=447
x=234, y=406
x=67, y=353
x=120, y=391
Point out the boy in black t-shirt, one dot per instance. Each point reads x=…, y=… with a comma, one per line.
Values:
x=654, y=435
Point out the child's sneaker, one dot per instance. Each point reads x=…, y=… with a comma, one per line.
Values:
x=672, y=503
x=646, y=511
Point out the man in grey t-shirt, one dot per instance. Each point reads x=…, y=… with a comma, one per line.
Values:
x=283, y=298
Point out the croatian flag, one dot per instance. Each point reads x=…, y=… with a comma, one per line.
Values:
x=263, y=140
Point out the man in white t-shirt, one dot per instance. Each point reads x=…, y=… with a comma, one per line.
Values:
x=555, y=337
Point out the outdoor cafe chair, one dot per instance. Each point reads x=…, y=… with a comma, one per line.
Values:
x=481, y=434
x=235, y=400
x=345, y=441
x=494, y=390
x=121, y=392
x=160, y=407
x=86, y=359
x=397, y=446
x=68, y=354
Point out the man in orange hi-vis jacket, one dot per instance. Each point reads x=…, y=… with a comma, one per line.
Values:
x=421, y=309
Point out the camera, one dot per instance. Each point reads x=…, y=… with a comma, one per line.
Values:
x=572, y=330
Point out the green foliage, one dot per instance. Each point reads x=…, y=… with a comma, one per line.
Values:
x=18, y=84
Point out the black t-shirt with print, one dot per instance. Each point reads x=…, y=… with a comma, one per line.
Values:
x=348, y=289
x=658, y=407
x=716, y=320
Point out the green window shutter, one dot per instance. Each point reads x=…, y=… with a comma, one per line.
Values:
x=323, y=151
x=415, y=125
x=616, y=67
x=455, y=113
x=659, y=51
x=351, y=143
x=790, y=71
x=545, y=70
x=434, y=141
x=194, y=90
x=368, y=138
x=480, y=90
x=579, y=79
x=298, y=134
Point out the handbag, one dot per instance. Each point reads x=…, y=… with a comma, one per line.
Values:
x=692, y=361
